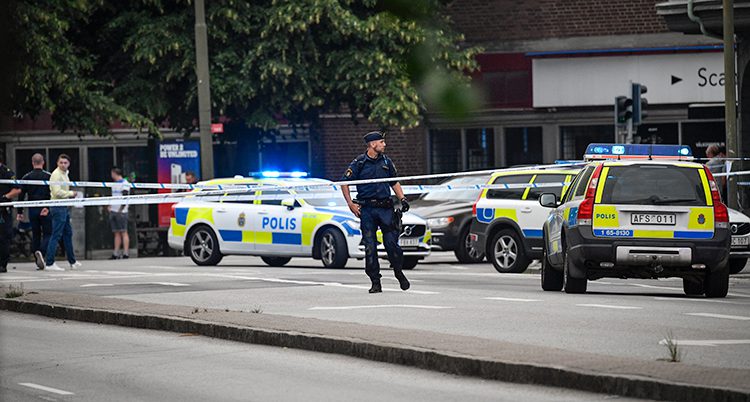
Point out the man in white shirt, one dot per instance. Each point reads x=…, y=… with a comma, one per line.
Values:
x=118, y=216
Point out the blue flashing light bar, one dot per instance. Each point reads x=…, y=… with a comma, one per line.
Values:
x=276, y=174
x=638, y=151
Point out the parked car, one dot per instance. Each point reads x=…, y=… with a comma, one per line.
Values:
x=739, y=227
x=449, y=215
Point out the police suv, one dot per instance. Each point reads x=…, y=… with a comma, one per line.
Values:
x=508, y=221
x=279, y=225
x=638, y=211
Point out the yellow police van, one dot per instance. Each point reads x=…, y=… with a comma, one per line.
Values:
x=507, y=224
x=281, y=224
x=638, y=211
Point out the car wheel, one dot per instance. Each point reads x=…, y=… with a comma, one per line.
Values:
x=692, y=287
x=410, y=262
x=332, y=247
x=276, y=261
x=717, y=283
x=552, y=279
x=506, y=252
x=203, y=246
x=572, y=285
x=736, y=265
x=465, y=252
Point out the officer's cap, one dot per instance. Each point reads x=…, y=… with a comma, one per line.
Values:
x=374, y=136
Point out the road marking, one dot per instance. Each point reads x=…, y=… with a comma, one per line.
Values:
x=708, y=342
x=512, y=299
x=381, y=306
x=640, y=285
x=725, y=316
x=314, y=283
x=458, y=267
x=96, y=285
x=692, y=299
x=609, y=306
x=43, y=388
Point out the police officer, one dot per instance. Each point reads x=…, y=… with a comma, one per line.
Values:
x=374, y=207
x=7, y=192
x=41, y=221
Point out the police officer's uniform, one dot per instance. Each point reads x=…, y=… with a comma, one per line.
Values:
x=377, y=211
x=6, y=221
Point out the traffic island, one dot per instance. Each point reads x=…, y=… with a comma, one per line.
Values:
x=453, y=354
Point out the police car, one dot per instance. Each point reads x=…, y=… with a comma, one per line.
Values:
x=507, y=227
x=281, y=224
x=638, y=211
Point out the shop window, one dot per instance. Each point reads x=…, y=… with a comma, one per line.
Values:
x=523, y=146
x=664, y=133
x=702, y=135
x=23, y=161
x=135, y=164
x=575, y=139
x=445, y=151
x=480, y=148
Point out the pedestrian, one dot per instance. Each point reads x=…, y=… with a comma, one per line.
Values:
x=716, y=164
x=7, y=193
x=118, y=216
x=61, y=227
x=41, y=223
x=374, y=206
x=190, y=177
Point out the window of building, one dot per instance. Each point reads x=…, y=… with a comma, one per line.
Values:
x=134, y=162
x=445, y=151
x=575, y=139
x=23, y=160
x=523, y=146
x=480, y=148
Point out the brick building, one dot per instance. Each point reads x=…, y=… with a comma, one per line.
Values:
x=538, y=109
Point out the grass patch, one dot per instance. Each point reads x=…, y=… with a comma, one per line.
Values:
x=257, y=310
x=14, y=292
x=675, y=352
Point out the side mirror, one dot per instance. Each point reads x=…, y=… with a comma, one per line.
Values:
x=548, y=200
x=289, y=203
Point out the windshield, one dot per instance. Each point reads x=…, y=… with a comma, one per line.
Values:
x=653, y=185
x=457, y=195
x=321, y=199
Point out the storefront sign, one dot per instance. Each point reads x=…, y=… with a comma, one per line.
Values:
x=174, y=158
x=595, y=81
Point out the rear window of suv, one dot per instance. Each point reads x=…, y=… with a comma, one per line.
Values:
x=653, y=185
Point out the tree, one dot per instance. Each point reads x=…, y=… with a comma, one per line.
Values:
x=92, y=62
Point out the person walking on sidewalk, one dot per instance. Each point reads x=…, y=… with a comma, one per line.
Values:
x=7, y=192
x=41, y=223
x=374, y=207
x=61, y=227
x=118, y=216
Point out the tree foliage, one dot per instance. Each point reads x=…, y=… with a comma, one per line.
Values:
x=92, y=62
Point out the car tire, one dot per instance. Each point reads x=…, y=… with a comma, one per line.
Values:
x=276, y=261
x=572, y=285
x=717, y=283
x=693, y=288
x=410, y=263
x=506, y=252
x=736, y=265
x=332, y=247
x=464, y=252
x=552, y=279
x=203, y=246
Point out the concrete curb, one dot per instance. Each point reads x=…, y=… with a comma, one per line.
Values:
x=409, y=355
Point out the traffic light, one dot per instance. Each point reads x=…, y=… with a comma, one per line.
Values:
x=639, y=103
x=623, y=110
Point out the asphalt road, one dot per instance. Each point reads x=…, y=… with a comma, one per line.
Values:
x=617, y=317
x=57, y=360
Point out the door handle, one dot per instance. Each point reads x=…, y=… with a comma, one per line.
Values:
x=221, y=210
x=526, y=210
x=262, y=212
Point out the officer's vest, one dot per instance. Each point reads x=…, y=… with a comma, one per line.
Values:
x=363, y=157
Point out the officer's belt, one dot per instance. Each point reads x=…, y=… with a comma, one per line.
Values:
x=382, y=203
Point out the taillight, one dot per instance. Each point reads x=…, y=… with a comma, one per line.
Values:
x=721, y=214
x=586, y=207
x=474, y=207
x=171, y=214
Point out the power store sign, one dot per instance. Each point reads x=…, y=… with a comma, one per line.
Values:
x=595, y=81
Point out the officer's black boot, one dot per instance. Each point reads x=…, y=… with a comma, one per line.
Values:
x=402, y=281
x=376, y=288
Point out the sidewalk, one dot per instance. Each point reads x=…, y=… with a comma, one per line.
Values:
x=460, y=355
